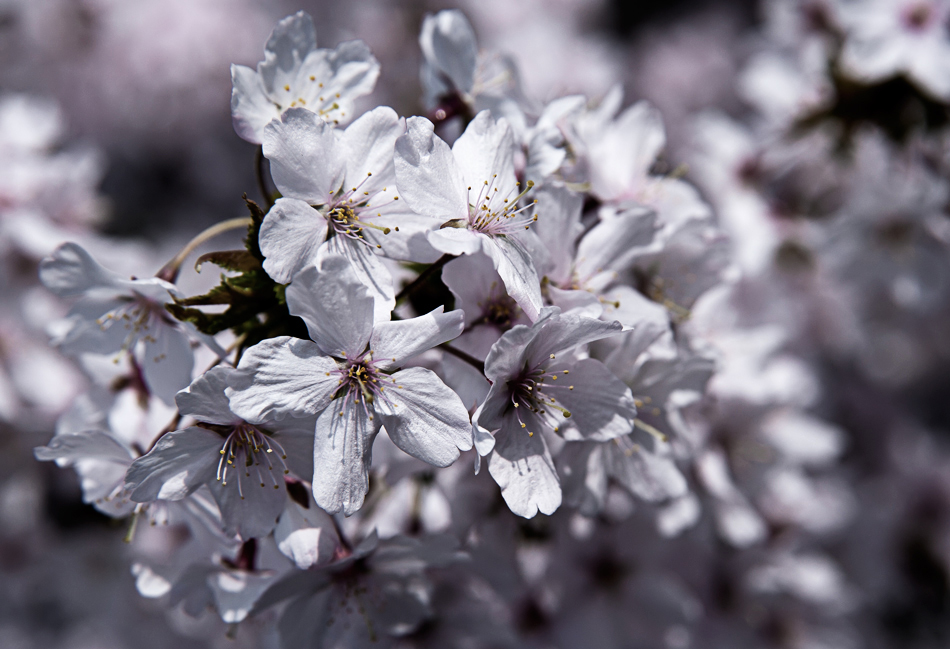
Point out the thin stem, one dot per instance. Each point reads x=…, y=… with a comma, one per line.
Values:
x=261, y=180
x=169, y=271
x=423, y=277
x=458, y=353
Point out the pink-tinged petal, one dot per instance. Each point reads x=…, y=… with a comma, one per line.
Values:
x=251, y=108
x=306, y=158
x=337, y=307
x=448, y=44
x=523, y=468
x=485, y=152
x=427, y=175
x=424, y=417
x=167, y=360
x=282, y=377
x=393, y=343
x=291, y=234
x=181, y=461
x=205, y=400
x=342, y=452
x=72, y=271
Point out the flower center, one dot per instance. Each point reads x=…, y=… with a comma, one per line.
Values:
x=918, y=16
x=362, y=383
x=530, y=391
x=139, y=316
x=249, y=451
x=353, y=210
x=496, y=215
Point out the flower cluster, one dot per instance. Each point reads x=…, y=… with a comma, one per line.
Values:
x=639, y=359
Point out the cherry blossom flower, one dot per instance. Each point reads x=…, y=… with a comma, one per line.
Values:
x=120, y=315
x=459, y=79
x=339, y=198
x=472, y=190
x=295, y=73
x=540, y=386
x=244, y=464
x=890, y=37
x=348, y=376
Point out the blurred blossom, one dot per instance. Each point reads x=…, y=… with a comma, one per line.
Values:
x=675, y=275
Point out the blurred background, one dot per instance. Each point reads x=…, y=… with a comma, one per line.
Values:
x=130, y=101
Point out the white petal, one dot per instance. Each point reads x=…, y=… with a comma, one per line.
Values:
x=289, y=44
x=395, y=342
x=424, y=417
x=305, y=536
x=559, y=227
x=486, y=152
x=610, y=243
x=522, y=467
x=456, y=241
x=624, y=152
x=337, y=307
x=365, y=266
x=475, y=283
x=370, y=144
x=306, y=158
x=251, y=504
x=282, y=376
x=181, y=461
x=329, y=81
x=251, y=108
x=564, y=332
x=448, y=44
x=290, y=236
x=517, y=271
x=205, y=400
x=70, y=271
x=91, y=330
x=427, y=175
x=601, y=405
x=584, y=476
x=167, y=361
x=236, y=591
x=66, y=449
x=645, y=474
x=342, y=453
